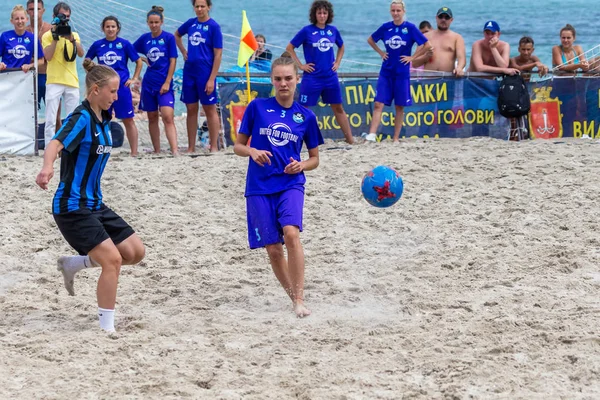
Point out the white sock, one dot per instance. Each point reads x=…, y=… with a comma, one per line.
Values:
x=107, y=319
x=74, y=264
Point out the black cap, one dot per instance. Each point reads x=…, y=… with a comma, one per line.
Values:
x=444, y=10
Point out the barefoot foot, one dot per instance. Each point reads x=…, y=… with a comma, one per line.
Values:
x=301, y=310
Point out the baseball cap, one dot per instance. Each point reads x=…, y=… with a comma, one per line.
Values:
x=491, y=26
x=444, y=10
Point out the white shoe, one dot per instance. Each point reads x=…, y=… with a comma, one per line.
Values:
x=585, y=136
x=371, y=137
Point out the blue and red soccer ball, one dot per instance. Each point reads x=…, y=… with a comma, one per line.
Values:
x=382, y=186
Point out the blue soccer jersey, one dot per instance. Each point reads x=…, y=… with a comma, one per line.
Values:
x=281, y=131
x=203, y=39
x=317, y=45
x=398, y=40
x=115, y=54
x=87, y=145
x=18, y=50
x=159, y=51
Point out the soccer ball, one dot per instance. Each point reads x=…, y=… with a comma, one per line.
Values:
x=382, y=186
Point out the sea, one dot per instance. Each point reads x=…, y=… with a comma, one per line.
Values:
x=280, y=20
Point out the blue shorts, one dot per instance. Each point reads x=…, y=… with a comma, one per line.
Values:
x=394, y=88
x=192, y=88
x=268, y=214
x=41, y=89
x=151, y=100
x=326, y=88
x=123, y=107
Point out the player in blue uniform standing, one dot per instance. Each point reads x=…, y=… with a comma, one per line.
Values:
x=275, y=181
x=320, y=71
x=202, y=62
x=160, y=50
x=116, y=52
x=393, y=84
x=16, y=46
x=101, y=237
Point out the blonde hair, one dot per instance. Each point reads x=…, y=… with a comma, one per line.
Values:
x=284, y=59
x=97, y=74
x=16, y=8
x=400, y=3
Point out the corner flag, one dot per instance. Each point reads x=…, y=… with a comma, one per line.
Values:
x=248, y=44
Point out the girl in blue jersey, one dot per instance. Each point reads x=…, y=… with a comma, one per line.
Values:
x=160, y=50
x=202, y=62
x=101, y=237
x=116, y=52
x=393, y=84
x=16, y=46
x=320, y=71
x=275, y=181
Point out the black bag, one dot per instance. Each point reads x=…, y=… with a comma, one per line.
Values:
x=513, y=97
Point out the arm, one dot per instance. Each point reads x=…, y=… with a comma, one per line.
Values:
x=373, y=44
x=50, y=49
x=477, y=62
x=180, y=46
x=47, y=172
x=558, y=63
x=461, y=56
x=295, y=167
x=422, y=60
x=77, y=44
x=421, y=50
x=167, y=85
x=304, y=67
x=338, y=58
x=210, y=85
x=241, y=148
x=500, y=57
x=136, y=73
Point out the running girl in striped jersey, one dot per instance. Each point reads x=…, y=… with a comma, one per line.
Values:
x=160, y=50
x=116, y=52
x=102, y=238
x=275, y=181
x=320, y=71
x=16, y=45
x=393, y=84
x=202, y=62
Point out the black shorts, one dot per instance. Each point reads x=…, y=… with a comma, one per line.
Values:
x=85, y=229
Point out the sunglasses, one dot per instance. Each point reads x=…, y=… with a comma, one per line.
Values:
x=444, y=16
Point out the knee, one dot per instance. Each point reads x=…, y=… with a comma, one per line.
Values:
x=275, y=251
x=291, y=237
x=152, y=118
x=138, y=255
x=337, y=108
x=378, y=106
x=168, y=120
x=112, y=263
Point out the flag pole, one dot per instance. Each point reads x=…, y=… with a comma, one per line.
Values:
x=248, y=82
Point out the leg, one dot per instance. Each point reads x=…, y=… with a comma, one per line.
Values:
x=71, y=99
x=107, y=255
x=377, y=111
x=399, y=120
x=280, y=267
x=342, y=119
x=192, y=125
x=132, y=250
x=53, y=94
x=132, y=135
x=295, y=251
x=167, y=114
x=154, y=130
x=214, y=125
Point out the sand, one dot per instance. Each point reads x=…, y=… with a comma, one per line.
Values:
x=482, y=282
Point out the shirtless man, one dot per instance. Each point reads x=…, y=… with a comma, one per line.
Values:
x=526, y=61
x=491, y=54
x=448, y=53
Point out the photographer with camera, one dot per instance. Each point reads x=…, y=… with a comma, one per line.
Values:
x=61, y=46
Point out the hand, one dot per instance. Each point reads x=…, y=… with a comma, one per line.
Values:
x=584, y=65
x=2, y=66
x=429, y=52
x=44, y=177
x=210, y=86
x=384, y=56
x=26, y=67
x=335, y=67
x=511, y=71
x=165, y=87
x=309, y=67
x=185, y=55
x=542, y=69
x=458, y=72
x=261, y=157
x=128, y=82
x=294, y=167
x=406, y=59
x=494, y=42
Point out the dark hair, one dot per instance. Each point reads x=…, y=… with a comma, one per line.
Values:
x=97, y=74
x=208, y=3
x=156, y=10
x=568, y=27
x=425, y=24
x=284, y=59
x=316, y=6
x=35, y=1
x=61, y=5
x=526, y=40
x=111, y=18
x=260, y=35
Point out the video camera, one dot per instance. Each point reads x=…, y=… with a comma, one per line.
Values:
x=62, y=26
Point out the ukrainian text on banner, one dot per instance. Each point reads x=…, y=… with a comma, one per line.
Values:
x=17, y=119
x=447, y=108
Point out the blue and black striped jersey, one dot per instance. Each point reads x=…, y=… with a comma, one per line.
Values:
x=87, y=145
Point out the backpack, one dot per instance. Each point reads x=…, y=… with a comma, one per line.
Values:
x=513, y=97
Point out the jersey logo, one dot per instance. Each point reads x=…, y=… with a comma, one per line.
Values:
x=110, y=58
x=314, y=33
x=395, y=42
x=323, y=45
x=404, y=30
x=329, y=33
x=119, y=46
x=270, y=110
x=154, y=54
x=161, y=41
x=298, y=117
x=196, y=39
x=205, y=28
x=279, y=134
